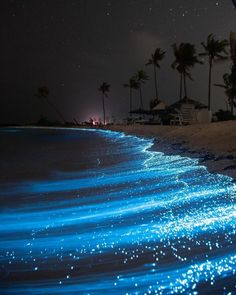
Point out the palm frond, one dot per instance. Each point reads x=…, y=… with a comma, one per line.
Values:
x=220, y=85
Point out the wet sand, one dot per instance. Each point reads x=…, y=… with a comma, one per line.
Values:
x=214, y=144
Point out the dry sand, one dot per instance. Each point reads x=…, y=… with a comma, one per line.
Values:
x=214, y=144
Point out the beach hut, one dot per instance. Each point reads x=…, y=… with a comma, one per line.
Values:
x=156, y=111
x=140, y=115
x=159, y=106
x=139, y=112
x=189, y=111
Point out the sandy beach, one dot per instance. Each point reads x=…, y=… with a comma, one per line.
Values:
x=214, y=144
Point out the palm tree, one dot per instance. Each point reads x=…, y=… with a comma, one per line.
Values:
x=230, y=91
x=104, y=88
x=233, y=48
x=179, y=68
x=132, y=84
x=43, y=93
x=154, y=60
x=215, y=50
x=141, y=77
x=185, y=58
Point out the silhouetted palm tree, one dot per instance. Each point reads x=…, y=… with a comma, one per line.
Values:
x=104, y=88
x=233, y=65
x=185, y=58
x=216, y=51
x=43, y=93
x=179, y=68
x=154, y=60
x=141, y=77
x=233, y=48
x=230, y=91
x=132, y=84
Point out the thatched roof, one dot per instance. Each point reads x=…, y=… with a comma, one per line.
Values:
x=186, y=100
x=161, y=105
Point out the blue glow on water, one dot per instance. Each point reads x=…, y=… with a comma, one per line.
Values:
x=147, y=224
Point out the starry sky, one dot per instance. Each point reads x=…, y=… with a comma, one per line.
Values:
x=72, y=46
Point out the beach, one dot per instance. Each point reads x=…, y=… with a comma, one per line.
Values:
x=214, y=144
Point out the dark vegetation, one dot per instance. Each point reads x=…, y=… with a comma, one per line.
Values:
x=185, y=59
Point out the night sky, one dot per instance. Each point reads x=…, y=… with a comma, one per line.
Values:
x=73, y=46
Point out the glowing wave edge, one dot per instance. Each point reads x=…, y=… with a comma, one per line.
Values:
x=152, y=224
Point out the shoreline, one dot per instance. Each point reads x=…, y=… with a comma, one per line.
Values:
x=213, y=144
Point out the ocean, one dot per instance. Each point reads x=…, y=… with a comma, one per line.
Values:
x=100, y=212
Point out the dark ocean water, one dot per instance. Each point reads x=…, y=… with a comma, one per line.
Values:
x=98, y=212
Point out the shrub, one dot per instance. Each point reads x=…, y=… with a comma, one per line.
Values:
x=222, y=115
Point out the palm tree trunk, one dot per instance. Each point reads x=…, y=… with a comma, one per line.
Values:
x=209, y=85
x=155, y=78
x=227, y=105
x=185, y=85
x=231, y=106
x=104, y=111
x=130, y=100
x=56, y=110
x=141, y=97
x=181, y=86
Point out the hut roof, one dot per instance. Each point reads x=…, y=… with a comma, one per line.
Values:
x=161, y=105
x=186, y=100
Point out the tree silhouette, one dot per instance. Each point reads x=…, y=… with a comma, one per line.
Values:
x=132, y=84
x=155, y=61
x=141, y=77
x=179, y=68
x=104, y=89
x=185, y=59
x=230, y=91
x=216, y=51
x=234, y=2
x=43, y=93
